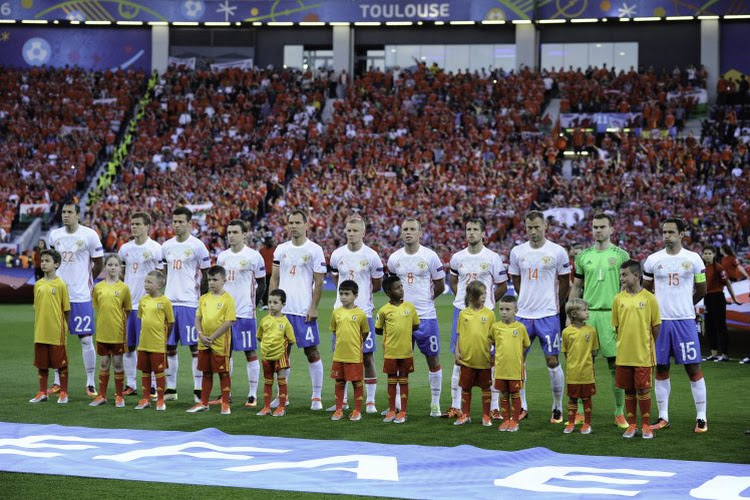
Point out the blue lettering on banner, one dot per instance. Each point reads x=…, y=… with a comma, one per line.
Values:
x=355, y=468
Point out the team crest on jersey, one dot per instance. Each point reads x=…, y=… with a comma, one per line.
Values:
x=79, y=243
x=484, y=319
x=281, y=326
x=363, y=264
x=146, y=255
x=218, y=305
x=54, y=291
x=406, y=312
x=243, y=263
x=354, y=317
x=422, y=265
x=515, y=333
x=587, y=337
x=159, y=306
x=612, y=261
x=686, y=265
x=188, y=252
x=305, y=259
x=546, y=260
x=641, y=305
x=484, y=266
x=117, y=293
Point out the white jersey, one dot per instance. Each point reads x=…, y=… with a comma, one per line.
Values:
x=243, y=270
x=539, y=269
x=485, y=267
x=297, y=266
x=139, y=261
x=184, y=262
x=674, y=277
x=77, y=249
x=417, y=272
x=362, y=267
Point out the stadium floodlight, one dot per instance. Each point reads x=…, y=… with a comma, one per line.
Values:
x=257, y=23
x=238, y=23
x=585, y=20
x=185, y=23
x=737, y=16
x=7, y=21
x=34, y=21
x=98, y=23
x=679, y=18
x=708, y=18
x=217, y=23
x=338, y=23
x=439, y=23
x=280, y=23
x=493, y=21
x=312, y=23
x=399, y=23
x=625, y=19
x=462, y=23
x=551, y=21
x=367, y=23
x=130, y=23
x=521, y=21
x=158, y=23
x=646, y=19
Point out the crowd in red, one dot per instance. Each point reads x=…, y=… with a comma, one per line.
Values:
x=442, y=147
x=53, y=125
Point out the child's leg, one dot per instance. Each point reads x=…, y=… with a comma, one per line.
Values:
x=43, y=380
x=119, y=370
x=225, y=382
x=505, y=406
x=206, y=385
x=466, y=401
x=403, y=383
x=630, y=406
x=644, y=403
x=572, y=409
x=63, y=379
x=339, y=392
x=283, y=390
x=145, y=384
x=104, y=376
x=268, y=373
x=392, y=385
x=515, y=401
x=161, y=385
x=359, y=392
x=486, y=401
x=588, y=409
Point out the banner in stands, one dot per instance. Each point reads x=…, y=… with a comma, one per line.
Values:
x=240, y=63
x=738, y=315
x=353, y=11
x=88, y=48
x=600, y=121
x=30, y=211
x=188, y=62
x=210, y=457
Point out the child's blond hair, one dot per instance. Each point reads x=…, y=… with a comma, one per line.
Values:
x=575, y=305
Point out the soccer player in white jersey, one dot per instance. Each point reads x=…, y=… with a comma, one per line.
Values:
x=186, y=260
x=677, y=277
x=141, y=255
x=357, y=262
x=82, y=261
x=299, y=267
x=540, y=272
x=476, y=262
x=246, y=280
x=423, y=277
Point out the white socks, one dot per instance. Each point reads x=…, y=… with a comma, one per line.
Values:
x=253, y=372
x=662, y=388
x=173, y=363
x=370, y=390
x=524, y=404
x=89, y=359
x=130, y=360
x=436, y=383
x=557, y=381
x=57, y=377
x=316, y=377
x=455, y=389
x=197, y=374
x=495, y=402
x=699, y=396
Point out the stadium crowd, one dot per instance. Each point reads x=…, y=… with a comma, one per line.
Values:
x=54, y=123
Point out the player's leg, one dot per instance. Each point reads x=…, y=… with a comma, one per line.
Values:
x=642, y=384
x=359, y=393
x=159, y=364
x=405, y=367
x=307, y=337
x=144, y=365
x=189, y=338
x=662, y=384
x=453, y=411
x=572, y=410
x=283, y=390
x=41, y=362
x=105, y=361
x=465, y=382
x=173, y=359
x=698, y=388
x=244, y=339
x=484, y=382
x=392, y=384
x=220, y=365
x=549, y=338
x=494, y=393
x=371, y=377
x=530, y=325
x=339, y=393
x=427, y=338
x=119, y=371
x=82, y=325
x=130, y=358
x=62, y=369
x=253, y=377
x=514, y=395
x=268, y=373
x=602, y=323
x=203, y=359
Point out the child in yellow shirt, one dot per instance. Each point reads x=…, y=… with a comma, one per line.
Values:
x=275, y=337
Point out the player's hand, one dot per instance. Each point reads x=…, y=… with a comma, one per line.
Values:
x=312, y=314
x=457, y=358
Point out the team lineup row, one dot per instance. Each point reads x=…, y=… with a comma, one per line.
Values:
x=539, y=268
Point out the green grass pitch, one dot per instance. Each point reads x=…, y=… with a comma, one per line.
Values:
x=728, y=401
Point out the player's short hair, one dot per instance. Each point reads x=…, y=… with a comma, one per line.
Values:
x=298, y=211
x=56, y=257
x=388, y=282
x=74, y=204
x=633, y=266
x=473, y=291
x=217, y=271
x=239, y=223
x=145, y=217
x=278, y=292
x=509, y=299
x=602, y=215
x=183, y=211
x=349, y=286
x=412, y=219
x=575, y=305
x=681, y=225
x=477, y=220
x=111, y=256
x=160, y=278
x=534, y=214
x=356, y=219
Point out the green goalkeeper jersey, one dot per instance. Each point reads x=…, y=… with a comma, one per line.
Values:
x=600, y=271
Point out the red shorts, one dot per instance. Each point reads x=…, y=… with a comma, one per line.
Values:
x=152, y=362
x=475, y=377
x=48, y=356
x=581, y=391
x=106, y=349
x=508, y=385
x=631, y=378
x=403, y=366
x=351, y=372
x=271, y=366
x=209, y=361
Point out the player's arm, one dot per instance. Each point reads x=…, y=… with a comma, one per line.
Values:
x=98, y=266
x=699, y=290
x=377, y=284
x=199, y=325
x=312, y=313
x=563, y=281
x=220, y=331
x=260, y=289
x=516, y=283
x=500, y=290
x=577, y=289
x=438, y=287
x=204, y=281
x=453, y=282
x=274, y=283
